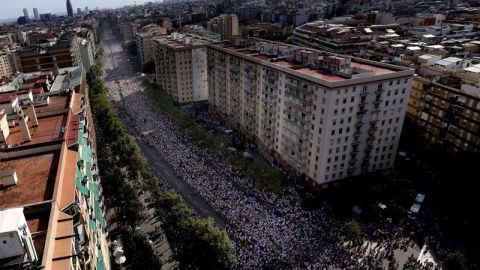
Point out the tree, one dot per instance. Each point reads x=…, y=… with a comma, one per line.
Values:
x=149, y=67
x=205, y=246
x=456, y=261
x=168, y=199
x=351, y=230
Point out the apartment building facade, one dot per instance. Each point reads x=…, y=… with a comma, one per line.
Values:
x=64, y=53
x=322, y=116
x=181, y=67
x=226, y=25
x=9, y=62
x=447, y=111
x=145, y=43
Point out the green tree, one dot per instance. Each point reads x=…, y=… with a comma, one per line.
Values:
x=456, y=261
x=205, y=246
x=149, y=67
x=351, y=230
x=168, y=199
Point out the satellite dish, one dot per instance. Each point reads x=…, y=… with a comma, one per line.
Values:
x=120, y=260
x=118, y=253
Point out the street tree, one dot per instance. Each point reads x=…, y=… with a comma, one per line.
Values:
x=351, y=230
x=456, y=261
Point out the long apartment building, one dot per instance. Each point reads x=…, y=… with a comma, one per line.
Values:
x=181, y=67
x=447, y=111
x=51, y=203
x=322, y=116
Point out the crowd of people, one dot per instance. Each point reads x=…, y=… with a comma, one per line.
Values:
x=266, y=230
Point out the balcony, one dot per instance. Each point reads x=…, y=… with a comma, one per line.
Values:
x=364, y=93
x=370, y=139
x=373, y=129
x=358, y=123
x=369, y=148
x=378, y=100
x=361, y=112
x=379, y=91
x=356, y=142
x=362, y=103
x=352, y=162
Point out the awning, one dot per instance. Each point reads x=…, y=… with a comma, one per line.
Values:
x=83, y=189
x=92, y=225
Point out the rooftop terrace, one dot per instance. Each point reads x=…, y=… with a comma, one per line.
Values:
x=36, y=180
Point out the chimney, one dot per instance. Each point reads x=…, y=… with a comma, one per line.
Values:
x=9, y=177
x=32, y=115
x=24, y=128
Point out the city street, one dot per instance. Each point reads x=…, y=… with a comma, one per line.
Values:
x=285, y=234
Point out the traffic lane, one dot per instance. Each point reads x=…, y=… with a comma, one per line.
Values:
x=189, y=195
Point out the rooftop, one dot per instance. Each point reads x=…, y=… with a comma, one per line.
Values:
x=48, y=129
x=36, y=179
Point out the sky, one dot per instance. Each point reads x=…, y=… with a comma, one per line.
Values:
x=14, y=8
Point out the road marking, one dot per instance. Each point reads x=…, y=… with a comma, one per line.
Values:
x=196, y=203
x=167, y=173
x=177, y=184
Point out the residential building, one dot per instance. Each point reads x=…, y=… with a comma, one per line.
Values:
x=62, y=53
x=322, y=116
x=226, y=25
x=339, y=38
x=145, y=44
x=181, y=67
x=9, y=62
x=446, y=109
x=51, y=203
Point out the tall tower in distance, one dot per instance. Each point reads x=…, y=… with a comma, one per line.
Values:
x=25, y=13
x=69, y=9
x=35, y=14
x=86, y=10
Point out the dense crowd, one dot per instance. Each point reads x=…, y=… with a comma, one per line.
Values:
x=266, y=230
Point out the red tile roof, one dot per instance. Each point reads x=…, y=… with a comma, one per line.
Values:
x=7, y=97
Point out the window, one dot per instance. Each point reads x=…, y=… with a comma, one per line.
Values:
x=333, y=132
x=337, y=101
x=352, y=99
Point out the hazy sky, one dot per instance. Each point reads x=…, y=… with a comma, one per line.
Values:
x=14, y=8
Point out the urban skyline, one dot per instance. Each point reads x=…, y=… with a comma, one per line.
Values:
x=15, y=9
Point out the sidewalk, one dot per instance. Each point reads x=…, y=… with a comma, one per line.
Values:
x=152, y=227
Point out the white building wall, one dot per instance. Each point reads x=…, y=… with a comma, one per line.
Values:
x=199, y=74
